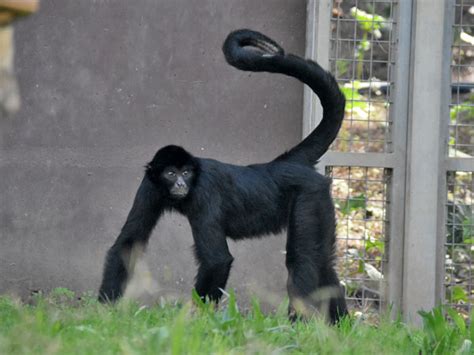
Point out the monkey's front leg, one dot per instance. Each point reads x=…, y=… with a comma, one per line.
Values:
x=114, y=276
x=119, y=267
x=122, y=256
x=215, y=261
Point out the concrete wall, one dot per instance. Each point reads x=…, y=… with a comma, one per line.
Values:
x=105, y=83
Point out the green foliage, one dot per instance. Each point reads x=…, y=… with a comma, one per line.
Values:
x=445, y=332
x=374, y=245
x=342, y=66
x=353, y=98
x=466, y=109
x=61, y=295
x=460, y=223
x=87, y=327
x=457, y=294
x=346, y=206
x=369, y=23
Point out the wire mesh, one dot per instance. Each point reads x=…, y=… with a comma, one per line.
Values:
x=363, y=45
x=459, y=243
x=459, y=246
x=362, y=58
x=360, y=198
x=461, y=125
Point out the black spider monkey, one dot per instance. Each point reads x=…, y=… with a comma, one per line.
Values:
x=223, y=200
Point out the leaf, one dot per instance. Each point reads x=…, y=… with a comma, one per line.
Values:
x=369, y=22
x=374, y=246
x=232, y=307
x=458, y=294
x=197, y=299
x=257, y=314
x=458, y=320
x=350, y=91
x=467, y=224
x=352, y=204
x=462, y=109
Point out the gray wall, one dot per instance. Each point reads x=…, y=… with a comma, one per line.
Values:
x=104, y=83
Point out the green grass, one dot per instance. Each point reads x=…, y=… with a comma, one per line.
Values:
x=61, y=324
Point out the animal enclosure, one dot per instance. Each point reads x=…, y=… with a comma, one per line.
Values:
x=402, y=165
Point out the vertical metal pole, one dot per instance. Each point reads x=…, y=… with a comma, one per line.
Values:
x=318, y=20
x=424, y=163
x=443, y=149
x=318, y=32
x=399, y=115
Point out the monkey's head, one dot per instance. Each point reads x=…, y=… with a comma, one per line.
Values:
x=174, y=171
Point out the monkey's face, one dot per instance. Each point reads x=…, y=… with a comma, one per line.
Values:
x=178, y=180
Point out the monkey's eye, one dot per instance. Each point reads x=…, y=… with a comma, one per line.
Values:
x=171, y=173
x=185, y=173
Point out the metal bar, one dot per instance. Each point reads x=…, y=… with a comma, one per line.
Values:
x=424, y=163
x=371, y=160
x=317, y=48
x=308, y=95
x=459, y=164
x=399, y=117
x=445, y=101
x=318, y=31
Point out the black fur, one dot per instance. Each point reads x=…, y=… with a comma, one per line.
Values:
x=171, y=155
x=246, y=201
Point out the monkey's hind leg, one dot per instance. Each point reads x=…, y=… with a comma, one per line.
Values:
x=313, y=286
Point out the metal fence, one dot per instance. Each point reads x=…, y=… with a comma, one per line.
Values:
x=402, y=165
x=459, y=243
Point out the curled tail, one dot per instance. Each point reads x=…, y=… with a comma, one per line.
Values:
x=252, y=51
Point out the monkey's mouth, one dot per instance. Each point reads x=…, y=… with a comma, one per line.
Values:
x=179, y=193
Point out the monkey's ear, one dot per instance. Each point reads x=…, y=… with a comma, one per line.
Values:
x=149, y=170
x=152, y=172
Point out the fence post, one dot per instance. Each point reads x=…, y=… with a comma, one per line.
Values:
x=318, y=17
x=399, y=114
x=318, y=32
x=425, y=163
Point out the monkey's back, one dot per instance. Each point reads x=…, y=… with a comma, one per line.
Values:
x=252, y=200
